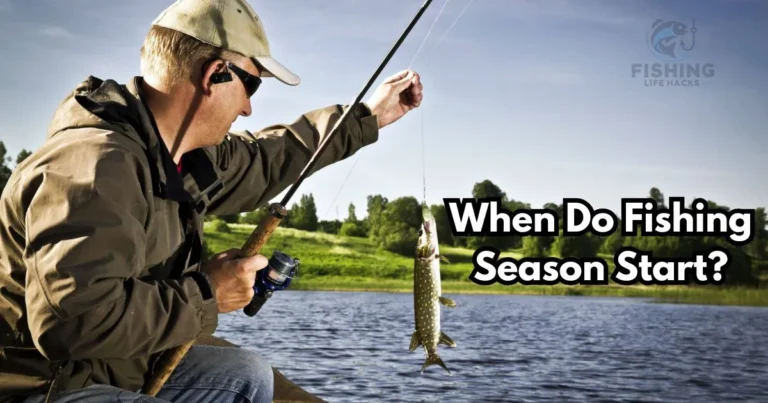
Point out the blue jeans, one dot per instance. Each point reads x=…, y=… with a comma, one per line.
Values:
x=206, y=374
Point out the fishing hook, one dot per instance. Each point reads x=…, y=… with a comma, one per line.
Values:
x=693, y=33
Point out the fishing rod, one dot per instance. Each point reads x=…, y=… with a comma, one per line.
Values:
x=415, y=56
x=281, y=266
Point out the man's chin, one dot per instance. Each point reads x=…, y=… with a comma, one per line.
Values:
x=215, y=141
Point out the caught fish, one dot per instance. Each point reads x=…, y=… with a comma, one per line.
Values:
x=427, y=294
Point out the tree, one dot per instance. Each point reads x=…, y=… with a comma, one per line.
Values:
x=741, y=269
x=406, y=210
x=5, y=171
x=515, y=241
x=351, y=225
x=613, y=243
x=656, y=195
x=757, y=248
x=24, y=154
x=230, y=218
x=5, y=161
x=329, y=226
x=255, y=217
x=304, y=213
x=487, y=189
x=579, y=246
x=557, y=208
x=397, y=226
x=712, y=205
x=444, y=234
x=221, y=226
x=372, y=223
x=352, y=229
x=534, y=246
x=352, y=217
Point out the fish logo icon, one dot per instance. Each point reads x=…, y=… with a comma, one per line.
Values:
x=669, y=40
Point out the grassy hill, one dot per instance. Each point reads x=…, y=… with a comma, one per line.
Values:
x=330, y=262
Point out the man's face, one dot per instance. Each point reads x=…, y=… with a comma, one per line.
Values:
x=225, y=103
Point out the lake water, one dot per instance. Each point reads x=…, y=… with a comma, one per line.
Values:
x=348, y=347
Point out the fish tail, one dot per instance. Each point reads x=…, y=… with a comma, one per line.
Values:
x=434, y=359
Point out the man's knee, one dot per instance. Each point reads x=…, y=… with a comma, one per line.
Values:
x=256, y=368
x=239, y=370
x=250, y=369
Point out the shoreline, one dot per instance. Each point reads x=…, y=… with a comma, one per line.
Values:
x=746, y=297
x=336, y=263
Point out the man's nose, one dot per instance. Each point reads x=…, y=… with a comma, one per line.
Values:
x=247, y=108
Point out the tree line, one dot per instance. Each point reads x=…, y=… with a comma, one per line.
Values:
x=393, y=225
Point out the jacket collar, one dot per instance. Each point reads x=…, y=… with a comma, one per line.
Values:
x=200, y=179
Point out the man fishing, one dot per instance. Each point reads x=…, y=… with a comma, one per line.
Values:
x=101, y=228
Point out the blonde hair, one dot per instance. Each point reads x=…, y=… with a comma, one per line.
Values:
x=172, y=56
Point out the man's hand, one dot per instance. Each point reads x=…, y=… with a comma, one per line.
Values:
x=396, y=96
x=233, y=277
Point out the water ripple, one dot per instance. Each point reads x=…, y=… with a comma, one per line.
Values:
x=351, y=347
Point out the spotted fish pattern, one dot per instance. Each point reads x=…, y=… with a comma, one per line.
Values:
x=427, y=294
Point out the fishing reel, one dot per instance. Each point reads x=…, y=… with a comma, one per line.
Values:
x=277, y=276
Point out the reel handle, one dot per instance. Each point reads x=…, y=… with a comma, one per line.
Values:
x=256, y=303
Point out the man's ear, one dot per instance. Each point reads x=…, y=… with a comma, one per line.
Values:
x=215, y=72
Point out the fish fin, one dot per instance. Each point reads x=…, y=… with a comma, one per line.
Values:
x=444, y=339
x=434, y=360
x=415, y=342
x=657, y=22
x=443, y=259
x=447, y=302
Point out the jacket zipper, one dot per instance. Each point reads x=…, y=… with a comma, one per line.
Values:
x=52, y=390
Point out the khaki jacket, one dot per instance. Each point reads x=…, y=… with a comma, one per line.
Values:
x=100, y=236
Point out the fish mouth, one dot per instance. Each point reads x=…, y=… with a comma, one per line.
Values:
x=426, y=216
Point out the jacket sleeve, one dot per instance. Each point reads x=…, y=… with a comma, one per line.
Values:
x=257, y=167
x=85, y=229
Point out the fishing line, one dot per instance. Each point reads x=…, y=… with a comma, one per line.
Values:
x=464, y=10
x=428, y=32
x=423, y=159
x=447, y=31
x=423, y=148
x=343, y=183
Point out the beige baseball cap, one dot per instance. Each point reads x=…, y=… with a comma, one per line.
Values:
x=228, y=24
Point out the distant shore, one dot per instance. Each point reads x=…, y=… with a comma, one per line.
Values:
x=336, y=263
x=673, y=294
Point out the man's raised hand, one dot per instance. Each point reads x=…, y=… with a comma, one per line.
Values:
x=396, y=96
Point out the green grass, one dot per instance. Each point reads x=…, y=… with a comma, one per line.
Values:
x=335, y=263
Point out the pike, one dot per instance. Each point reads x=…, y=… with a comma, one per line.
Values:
x=427, y=294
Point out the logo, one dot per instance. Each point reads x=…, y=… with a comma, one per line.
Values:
x=668, y=40
x=672, y=42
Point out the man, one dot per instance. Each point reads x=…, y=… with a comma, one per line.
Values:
x=101, y=228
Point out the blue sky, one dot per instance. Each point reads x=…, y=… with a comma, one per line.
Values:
x=536, y=96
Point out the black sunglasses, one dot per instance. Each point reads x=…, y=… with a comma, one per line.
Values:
x=250, y=82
